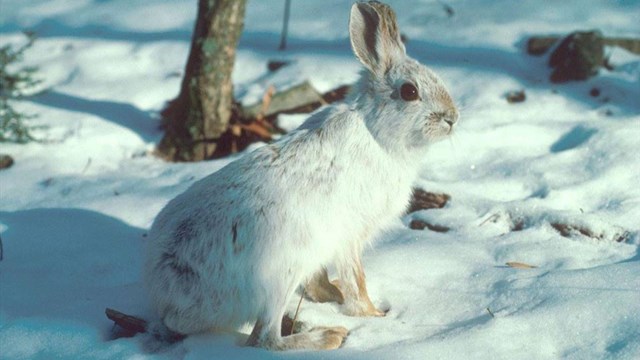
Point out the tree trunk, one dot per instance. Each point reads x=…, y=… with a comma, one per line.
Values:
x=195, y=120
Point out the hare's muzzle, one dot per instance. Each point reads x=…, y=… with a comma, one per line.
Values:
x=450, y=117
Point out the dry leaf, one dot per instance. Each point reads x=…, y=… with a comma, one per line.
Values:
x=266, y=101
x=260, y=128
x=519, y=265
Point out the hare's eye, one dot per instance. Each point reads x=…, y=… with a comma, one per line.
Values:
x=409, y=92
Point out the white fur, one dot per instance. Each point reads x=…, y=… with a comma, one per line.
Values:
x=234, y=247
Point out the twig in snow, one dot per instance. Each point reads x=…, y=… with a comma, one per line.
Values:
x=490, y=218
x=86, y=167
x=447, y=8
x=490, y=312
x=133, y=325
x=127, y=322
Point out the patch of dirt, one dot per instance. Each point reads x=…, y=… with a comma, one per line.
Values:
x=417, y=224
x=570, y=230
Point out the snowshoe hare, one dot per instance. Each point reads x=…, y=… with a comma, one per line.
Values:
x=236, y=245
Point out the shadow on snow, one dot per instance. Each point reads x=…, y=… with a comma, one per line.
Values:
x=69, y=264
x=123, y=114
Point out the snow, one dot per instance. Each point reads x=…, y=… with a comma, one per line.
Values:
x=75, y=208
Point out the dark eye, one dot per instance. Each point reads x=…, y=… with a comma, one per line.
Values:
x=409, y=92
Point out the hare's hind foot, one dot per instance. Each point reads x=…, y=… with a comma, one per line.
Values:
x=327, y=338
x=319, y=338
x=320, y=289
x=355, y=299
x=362, y=308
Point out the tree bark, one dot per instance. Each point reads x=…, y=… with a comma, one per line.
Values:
x=195, y=120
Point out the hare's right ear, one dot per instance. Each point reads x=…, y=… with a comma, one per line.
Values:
x=375, y=38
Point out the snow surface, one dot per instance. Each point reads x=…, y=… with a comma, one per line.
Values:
x=74, y=209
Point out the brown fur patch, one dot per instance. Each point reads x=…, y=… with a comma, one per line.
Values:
x=320, y=289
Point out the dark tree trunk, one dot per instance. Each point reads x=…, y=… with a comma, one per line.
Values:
x=195, y=120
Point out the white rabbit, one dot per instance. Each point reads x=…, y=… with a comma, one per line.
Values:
x=236, y=245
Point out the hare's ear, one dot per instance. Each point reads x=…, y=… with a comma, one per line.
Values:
x=375, y=38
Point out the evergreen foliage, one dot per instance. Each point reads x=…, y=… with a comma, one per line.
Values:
x=16, y=82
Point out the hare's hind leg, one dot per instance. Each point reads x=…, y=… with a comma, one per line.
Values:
x=353, y=286
x=267, y=330
x=319, y=338
x=320, y=289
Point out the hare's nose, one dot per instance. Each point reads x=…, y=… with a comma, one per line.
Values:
x=451, y=117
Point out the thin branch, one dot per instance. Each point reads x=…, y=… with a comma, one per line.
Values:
x=490, y=313
x=295, y=316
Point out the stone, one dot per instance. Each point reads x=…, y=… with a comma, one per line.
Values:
x=6, y=161
x=516, y=96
